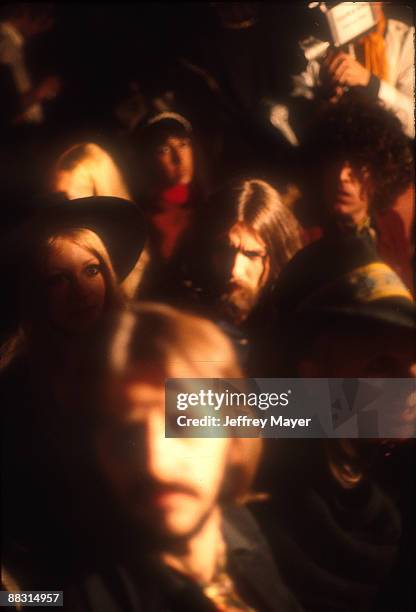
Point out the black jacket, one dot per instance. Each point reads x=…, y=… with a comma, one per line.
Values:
x=150, y=588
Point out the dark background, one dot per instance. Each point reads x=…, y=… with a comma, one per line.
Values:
x=98, y=49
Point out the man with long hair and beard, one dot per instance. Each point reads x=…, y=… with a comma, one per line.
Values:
x=226, y=271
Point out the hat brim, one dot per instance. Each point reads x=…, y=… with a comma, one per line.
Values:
x=118, y=222
x=397, y=312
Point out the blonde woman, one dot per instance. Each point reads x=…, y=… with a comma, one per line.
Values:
x=85, y=170
x=66, y=266
x=68, y=261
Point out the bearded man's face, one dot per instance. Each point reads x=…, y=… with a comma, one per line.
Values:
x=242, y=262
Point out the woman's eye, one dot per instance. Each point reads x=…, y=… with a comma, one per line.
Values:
x=163, y=150
x=92, y=270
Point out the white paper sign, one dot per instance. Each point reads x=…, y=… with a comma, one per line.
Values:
x=348, y=20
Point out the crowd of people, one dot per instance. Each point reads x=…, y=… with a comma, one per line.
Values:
x=193, y=197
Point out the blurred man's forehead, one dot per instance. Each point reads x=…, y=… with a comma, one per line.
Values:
x=139, y=394
x=135, y=399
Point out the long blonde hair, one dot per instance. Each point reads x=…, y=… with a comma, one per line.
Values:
x=34, y=331
x=82, y=237
x=86, y=169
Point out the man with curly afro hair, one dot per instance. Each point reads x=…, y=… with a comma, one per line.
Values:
x=367, y=138
x=356, y=162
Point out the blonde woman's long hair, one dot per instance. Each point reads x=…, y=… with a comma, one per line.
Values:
x=86, y=169
x=34, y=331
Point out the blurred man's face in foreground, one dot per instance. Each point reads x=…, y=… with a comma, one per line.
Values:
x=169, y=486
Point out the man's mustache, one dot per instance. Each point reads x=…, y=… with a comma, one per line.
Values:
x=234, y=286
x=146, y=489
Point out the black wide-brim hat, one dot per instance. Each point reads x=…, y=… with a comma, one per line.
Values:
x=119, y=223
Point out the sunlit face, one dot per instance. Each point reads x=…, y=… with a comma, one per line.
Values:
x=242, y=262
x=169, y=486
x=74, y=286
x=347, y=192
x=175, y=161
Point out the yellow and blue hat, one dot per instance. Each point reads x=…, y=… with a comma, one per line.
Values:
x=372, y=291
x=339, y=278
